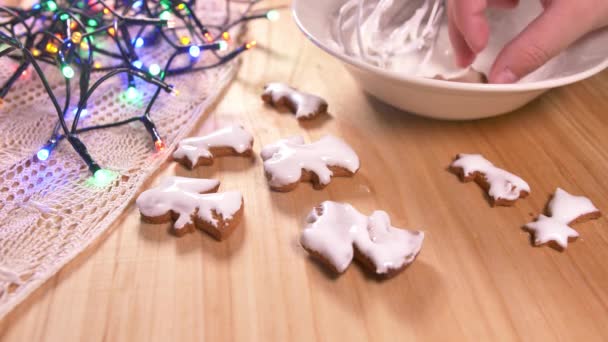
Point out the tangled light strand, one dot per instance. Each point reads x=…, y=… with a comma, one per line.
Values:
x=68, y=35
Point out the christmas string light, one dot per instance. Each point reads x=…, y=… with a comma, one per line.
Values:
x=74, y=36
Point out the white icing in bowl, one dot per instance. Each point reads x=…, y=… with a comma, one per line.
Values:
x=454, y=100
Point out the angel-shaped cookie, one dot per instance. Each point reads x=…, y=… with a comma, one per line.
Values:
x=336, y=233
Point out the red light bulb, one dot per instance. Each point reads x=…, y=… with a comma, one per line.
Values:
x=159, y=145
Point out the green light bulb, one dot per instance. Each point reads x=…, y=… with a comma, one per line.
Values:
x=102, y=177
x=51, y=6
x=67, y=71
x=222, y=45
x=92, y=22
x=154, y=69
x=165, y=15
x=131, y=93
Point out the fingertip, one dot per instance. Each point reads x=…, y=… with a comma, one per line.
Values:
x=463, y=54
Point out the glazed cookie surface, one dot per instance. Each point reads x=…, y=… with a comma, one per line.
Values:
x=337, y=232
x=290, y=161
x=228, y=141
x=564, y=210
x=191, y=203
x=305, y=106
x=503, y=187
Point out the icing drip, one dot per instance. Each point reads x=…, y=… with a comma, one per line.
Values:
x=334, y=228
x=564, y=209
x=285, y=159
x=304, y=105
x=503, y=185
x=235, y=137
x=186, y=197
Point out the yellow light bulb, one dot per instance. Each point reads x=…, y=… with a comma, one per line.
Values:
x=184, y=40
x=76, y=37
x=51, y=48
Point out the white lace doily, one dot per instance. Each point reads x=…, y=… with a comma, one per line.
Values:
x=49, y=211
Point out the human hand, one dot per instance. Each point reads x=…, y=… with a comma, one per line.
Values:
x=561, y=24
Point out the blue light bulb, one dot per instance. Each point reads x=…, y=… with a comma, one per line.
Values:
x=139, y=42
x=43, y=154
x=138, y=64
x=194, y=51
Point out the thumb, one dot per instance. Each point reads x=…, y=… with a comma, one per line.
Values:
x=560, y=25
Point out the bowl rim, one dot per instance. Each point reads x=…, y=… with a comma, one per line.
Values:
x=429, y=82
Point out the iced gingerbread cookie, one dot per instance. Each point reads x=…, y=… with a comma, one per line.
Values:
x=503, y=187
x=305, y=106
x=337, y=232
x=290, y=161
x=192, y=202
x=228, y=141
x=564, y=210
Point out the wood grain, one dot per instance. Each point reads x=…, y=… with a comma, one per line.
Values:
x=477, y=277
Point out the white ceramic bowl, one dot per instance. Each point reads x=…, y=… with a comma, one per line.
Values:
x=451, y=100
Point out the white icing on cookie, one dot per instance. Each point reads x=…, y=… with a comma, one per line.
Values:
x=285, y=159
x=334, y=231
x=235, y=137
x=564, y=209
x=503, y=185
x=305, y=105
x=184, y=197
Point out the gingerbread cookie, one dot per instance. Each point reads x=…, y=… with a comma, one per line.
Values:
x=305, y=106
x=228, y=141
x=564, y=210
x=503, y=187
x=192, y=202
x=337, y=232
x=290, y=161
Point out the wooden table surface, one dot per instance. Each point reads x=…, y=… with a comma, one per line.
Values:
x=477, y=277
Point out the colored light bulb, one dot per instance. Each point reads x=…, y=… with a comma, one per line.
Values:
x=51, y=48
x=222, y=45
x=67, y=71
x=64, y=17
x=43, y=154
x=184, y=40
x=194, y=51
x=154, y=69
x=251, y=44
x=165, y=15
x=103, y=177
x=208, y=37
x=159, y=145
x=131, y=93
x=137, y=4
x=76, y=37
x=226, y=36
x=112, y=31
x=138, y=64
x=273, y=15
x=139, y=42
x=35, y=52
x=51, y=6
x=92, y=22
